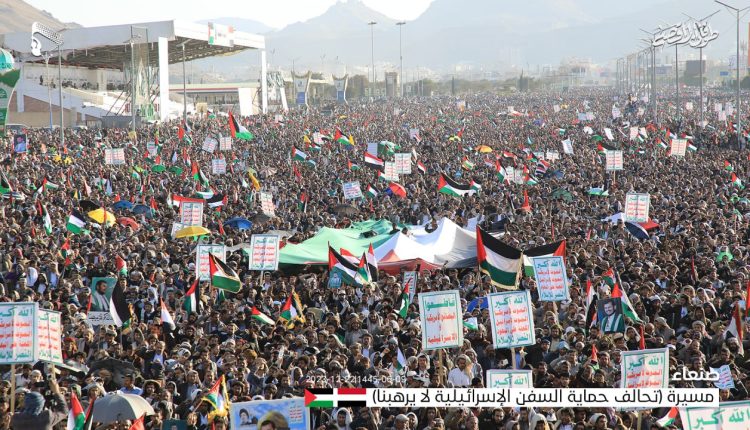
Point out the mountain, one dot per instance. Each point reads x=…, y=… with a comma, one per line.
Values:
x=17, y=15
x=240, y=24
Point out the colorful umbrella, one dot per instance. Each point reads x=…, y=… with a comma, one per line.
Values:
x=100, y=215
x=128, y=222
x=191, y=231
x=483, y=149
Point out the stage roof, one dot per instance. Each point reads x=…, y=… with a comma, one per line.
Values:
x=109, y=46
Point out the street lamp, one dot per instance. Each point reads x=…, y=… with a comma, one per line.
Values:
x=372, y=47
x=401, y=56
x=184, y=86
x=739, y=117
x=653, y=71
x=36, y=50
x=700, y=61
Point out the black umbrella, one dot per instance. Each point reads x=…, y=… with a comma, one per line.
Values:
x=118, y=368
x=88, y=205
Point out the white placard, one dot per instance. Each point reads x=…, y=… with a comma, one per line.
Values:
x=49, y=336
x=114, y=156
x=202, y=264
x=441, y=319
x=218, y=166
x=225, y=143
x=614, y=160
x=413, y=133
x=567, y=146
x=633, y=133
x=648, y=368
x=266, y=204
x=409, y=281
x=209, y=144
x=552, y=155
x=191, y=213
x=556, y=108
x=519, y=177
x=725, y=381
x=511, y=318
x=637, y=207
x=608, y=133
x=551, y=278
x=151, y=148
x=390, y=171
x=98, y=318
x=403, y=163
x=497, y=378
x=18, y=331
x=264, y=252
x=678, y=147
x=372, y=148
x=317, y=138
x=352, y=190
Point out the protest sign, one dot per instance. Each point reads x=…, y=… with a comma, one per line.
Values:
x=209, y=144
x=637, y=207
x=101, y=291
x=551, y=278
x=191, y=213
x=49, y=335
x=202, y=264
x=225, y=143
x=372, y=148
x=352, y=190
x=441, y=319
x=633, y=133
x=151, y=148
x=18, y=331
x=114, y=156
x=730, y=416
x=615, y=112
x=519, y=177
x=614, y=160
x=289, y=414
x=556, y=108
x=512, y=322
x=552, y=155
x=608, y=133
x=497, y=378
x=176, y=226
x=678, y=147
x=264, y=252
x=218, y=166
x=409, y=282
x=413, y=133
x=99, y=318
x=317, y=139
x=266, y=204
x=403, y=163
x=20, y=144
x=567, y=146
x=725, y=377
x=390, y=172
x=647, y=368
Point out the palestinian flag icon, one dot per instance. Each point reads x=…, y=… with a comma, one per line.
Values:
x=669, y=418
x=335, y=397
x=223, y=277
x=447, y=186
x=260, y=316
x=499, y=261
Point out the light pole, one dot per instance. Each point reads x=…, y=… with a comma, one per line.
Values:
x=184, y=85
x=372, y=48
x=293, y=61
x=700, y=61
x=653, y=71
x=401, y=56
x=738, y=107
x=57, y=39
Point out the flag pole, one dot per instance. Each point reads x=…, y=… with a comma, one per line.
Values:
x=12, y=388
x=513, y=357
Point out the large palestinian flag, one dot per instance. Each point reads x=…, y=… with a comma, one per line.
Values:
x=556, y=249
x=499, y=261
x=447, y=186
x=223, y=277
x=347, y=269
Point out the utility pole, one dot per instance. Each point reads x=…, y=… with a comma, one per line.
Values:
x=739, y=106
x=401, y=56
x=372, y=50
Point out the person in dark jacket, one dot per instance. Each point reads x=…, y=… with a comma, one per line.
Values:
x=35, y=416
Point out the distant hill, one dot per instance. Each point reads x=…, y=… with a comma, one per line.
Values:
x=17, y=15
x=239, y=24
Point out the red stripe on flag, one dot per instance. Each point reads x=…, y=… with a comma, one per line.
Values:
x=352, y=391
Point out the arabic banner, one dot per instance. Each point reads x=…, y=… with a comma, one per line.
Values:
x=440, y=317
x=729, y=416
x=509, y=379
x=403, y=163
x=209, y=144
x=567, y=146
x=264, y=252
x=49, y=335
x=225, y=143
x=678, y=147
x=352, y=190
x=191, y=213
x=97, y=318
x=114, y=156
x=697, y=34
x=552, y=155
x=637, y=207
x=266, y=204
x=551, y=278
x=648, y=368
x=614, y=160
x=390, y=171
x=218, y=166
x=512, y=322
x=9, y=76
x=18, y=331
x=202, y=265
x=725, y=377
x=290, y=414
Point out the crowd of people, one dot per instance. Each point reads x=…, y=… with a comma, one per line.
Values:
x=683, y=280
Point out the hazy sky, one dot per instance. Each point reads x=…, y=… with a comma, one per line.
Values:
x=275, y=13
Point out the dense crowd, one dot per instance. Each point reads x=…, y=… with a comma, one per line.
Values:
x=683, y=280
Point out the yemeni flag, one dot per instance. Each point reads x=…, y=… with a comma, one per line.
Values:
x=403, y=307
x=191, y=298
x=298, y=155
x=352, y=166
x=541, y=168
x=467, y=164
x=591, y=299
x=499, y=261
x=373, y=161
x=76, y=417
x=166, y=318
x=627, y=308
x=737, y=182
x=371, y=191
x=222, y=276
x=735, y=327
x=422, y=168
x=372, y=263
x=335, y=397
x=260, y=316
x=669, y=418
x=119, y=307
x=121, y=265
x=556, y=249
x=238, y=130
x=338, y=263
x=448, y=186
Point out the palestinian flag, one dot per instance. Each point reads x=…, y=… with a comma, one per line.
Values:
x=499, y=261
x=403, y=307
x=121, y=265
x=371, y=191
x=217, y=201
x=238, y=130
x=692, y=147
x=166, y=317
x=466, y=164
x=447, y=186
x=287, y=311
x=737, y=182
x=218, y=398
x=335, y=397
x=476, y=186
x=728, y=166
x=502, y=174
x=352, y=166
x=373, y=161
x=260, y=316
x=627, y=308
x=530, y=180
x=363, y=270
x=422, y=168
x=372, y=264
x=609, y=277
x=598, y=191
x=119, y=308
x=222, y=276
x=4, y=184
x=471, y=324
x=556, y=249
x=662, y=145
x=190, y=305
x=347, y=269
x=46, y=220
x=76, y=417
x=298, y=155
x=339, y=137
x=669, y=418
x=600, y=149
x=176, y=200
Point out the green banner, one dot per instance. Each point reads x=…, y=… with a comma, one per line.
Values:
x=8, y=79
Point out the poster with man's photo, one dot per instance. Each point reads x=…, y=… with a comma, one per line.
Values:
x=609, y=315
x=283, y=414
x=101, y=291
x=20, y=144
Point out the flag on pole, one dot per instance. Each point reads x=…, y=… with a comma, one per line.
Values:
x=76, y=417
x=448, y=186
x=260, y=316
x=499, y=261
x=191, y=303
x=223, y=277
x=166, y=317
x=238, y=130
x=669, y=418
